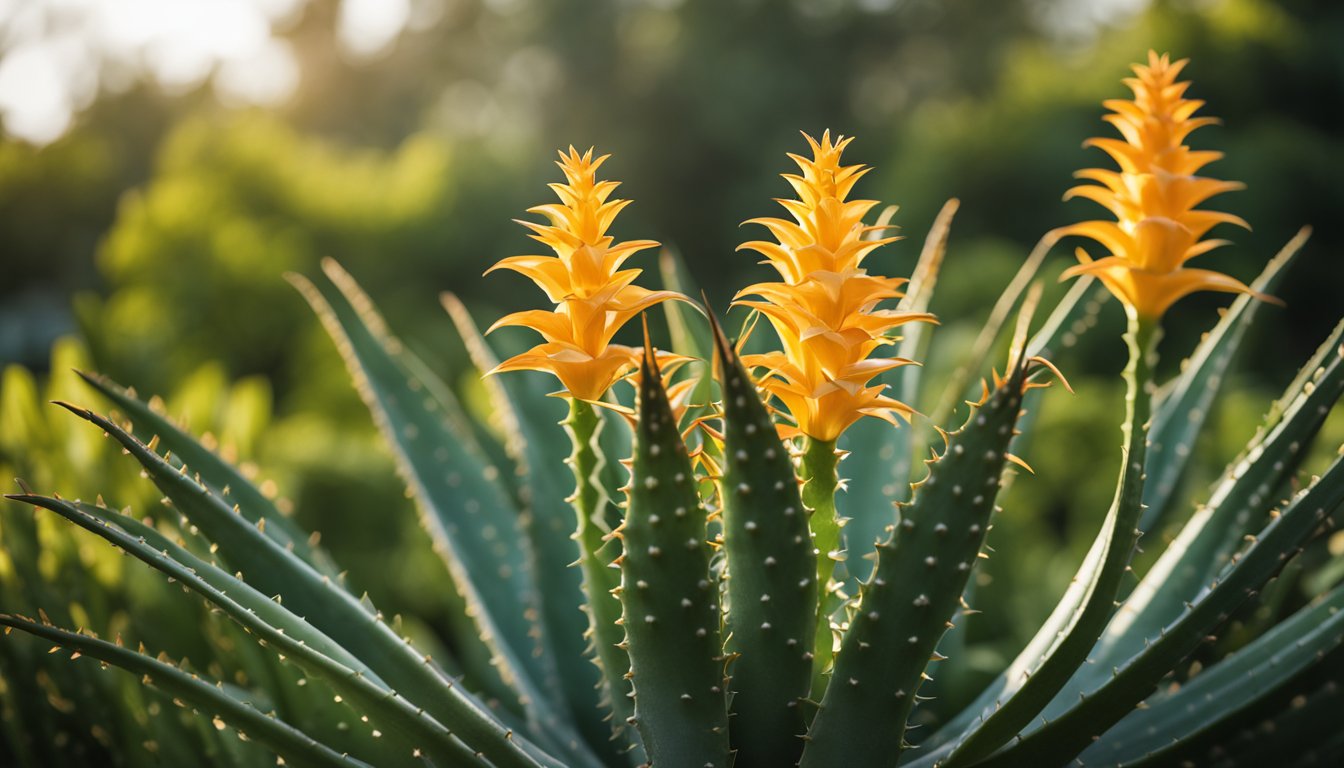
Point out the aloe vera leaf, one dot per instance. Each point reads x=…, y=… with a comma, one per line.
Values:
x=478, y=438
x=1180, y=415
x=411, y=729
x=1232, y=686
x=296, y=747
x=1072, y=731
x=669, y=596
x=1237, y=506
x=274, y=570
x=1062, y=644
x=210, y=580
x=466, y=511
x=529, y=420
x=880, y=455
x=598, y=551
x=1073, y=316
x=96, y=719
x=772, y=586
x=148, y=424
x=919, y=295
x=903, y=609
x=1307, y=721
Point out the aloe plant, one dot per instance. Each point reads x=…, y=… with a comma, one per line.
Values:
x=688, y=591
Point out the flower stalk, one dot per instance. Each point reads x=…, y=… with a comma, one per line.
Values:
x=818, y=470
x=597, y=551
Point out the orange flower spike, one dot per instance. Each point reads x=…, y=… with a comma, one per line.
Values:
x=1153, y=197
x=825, y=310
x=594, y=296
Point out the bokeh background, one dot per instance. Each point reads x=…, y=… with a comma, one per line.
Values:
x=164, y=162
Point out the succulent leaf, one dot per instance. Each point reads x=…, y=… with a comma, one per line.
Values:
x=1073, y=316
x=1063, y=642
x=223, y=479
x=1284, y=536
x=467, y=512
x=880, y=457
x=1238, y=506
x=978, y=357
x=772, y=582
x=1180, y=414
x=903, y=609
x=669, y=596
x=1236, y=684
x=409, y=729
x=274, y=570
x=690, y=331
x=1297, y=728
x=295, y=746
x=529, y=418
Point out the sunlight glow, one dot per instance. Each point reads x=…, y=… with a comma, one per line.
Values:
x=51, y=52
x=368, y=27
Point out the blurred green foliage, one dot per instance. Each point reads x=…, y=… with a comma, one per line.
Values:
x=235, y=204
x=168, y=222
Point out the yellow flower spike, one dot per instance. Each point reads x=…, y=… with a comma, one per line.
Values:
x=1153, y=197
x=594, y=296
x=825, y=310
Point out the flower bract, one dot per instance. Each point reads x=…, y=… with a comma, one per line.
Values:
x=1153, y=196
x=594, y=295
x=825, y=307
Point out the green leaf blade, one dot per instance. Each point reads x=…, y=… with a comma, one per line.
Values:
x=669, y=597
x=274, y=570
x=921, y=572
x=772, y=584
x=1180, y=416
x=295, y=746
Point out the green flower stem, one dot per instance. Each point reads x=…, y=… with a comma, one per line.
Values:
x=820, y=479
x=597, y=552
x=1082, y=615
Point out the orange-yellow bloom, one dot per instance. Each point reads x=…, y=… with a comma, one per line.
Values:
x=594, y=296
x=824, y=310
x=1153, y=197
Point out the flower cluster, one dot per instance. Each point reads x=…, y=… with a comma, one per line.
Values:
x=594, y=296
x=824, y=309
x=1153, y=197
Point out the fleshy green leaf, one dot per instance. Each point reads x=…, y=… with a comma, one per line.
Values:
x=222, y=478
x=410, y=729
x=464, y=507
x=669, y=597
x=1236, y=684
x=274, y=570
x=1072, y=731
x=772, y=584
x=903, y=609
x=296, y=747
x=1182, y=411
